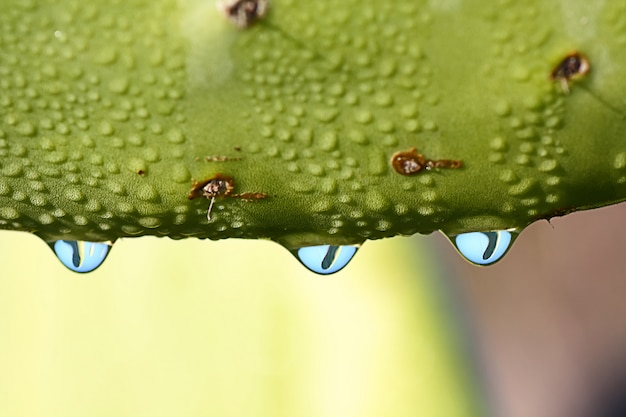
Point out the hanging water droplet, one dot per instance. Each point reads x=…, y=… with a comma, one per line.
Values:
x=484, y=248
x=81, y=256
x=325, y=259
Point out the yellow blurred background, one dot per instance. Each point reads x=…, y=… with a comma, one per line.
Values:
x=229, y=328
x=240, y=328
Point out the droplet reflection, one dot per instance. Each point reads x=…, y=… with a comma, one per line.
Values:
x=325, y=259
x=483, y=248
x=81, y=256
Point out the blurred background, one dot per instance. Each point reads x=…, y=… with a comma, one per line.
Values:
x=240, y=328
x=549, y=320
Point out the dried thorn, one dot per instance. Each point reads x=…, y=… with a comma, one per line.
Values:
x=250, y=196
x=571, y=67
x=208, y=212
x=411, y=162
x=243, y=13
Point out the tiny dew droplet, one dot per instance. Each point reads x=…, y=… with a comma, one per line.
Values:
x=81, y=256
x=325, y=259
x=484, y=248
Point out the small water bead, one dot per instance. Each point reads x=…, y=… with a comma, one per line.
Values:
x=529, y=202
x=385, y=126
x=125, y=207
x=26, y=129
x=376, y=202
x=46, y=219
x=426, y=211
x=337, y=222
x=508, y=176
x=527, y=148
x=58, y=213
x=55, y=157
x=383, y=225
x=351, y=99
x=179, y=173
x=38, y=200
x=383, y=99
x=321, y=206
x=532, y=213
x=87, y=142
x=90, y=182
x=364, y=116
x=333, y=163
x=496, y=158
x=401, y=209
x=266, y=132
x=326, y=115
x=137, y=165
x=237, y=224
x=135, y=139
x=356, y=186
x=106, y=129
x=345, y=199
x=81, y=256
x=96, y=159
x=5, y=189
x=151, y=154
x=408, y=186
x=119, y=115
x=150, y=222
x=316, y=170
x=484, y=248
x=9, y=213
x=548, y=165
x=293, y=167
x=498, y=144
x=524, y=187
x=325, y=259
x=116, y=187
x=93, y=206
x=73, y=194
x=19, y=195
x=552, y=198
x=132, y=230
x=119, y=85
x=502, y=108
x=63, y=129
x=527, y=133
x=430, y=196
x=522, y=159
x=328, y=186
x=80, y=220
x=430, y=125
x=619, y=161
x=305, y=137
x=328, y=141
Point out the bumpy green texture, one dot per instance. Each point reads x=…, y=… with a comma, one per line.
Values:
x=109, y=110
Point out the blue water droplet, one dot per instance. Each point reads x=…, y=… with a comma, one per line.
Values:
x=484, y=248
x=325, y=259
x=81, y=256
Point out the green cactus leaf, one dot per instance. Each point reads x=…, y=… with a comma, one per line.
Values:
x=113, y=113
